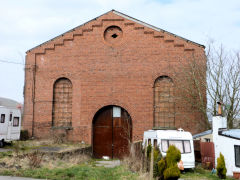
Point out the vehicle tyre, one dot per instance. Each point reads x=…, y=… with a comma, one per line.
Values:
x=1, y=143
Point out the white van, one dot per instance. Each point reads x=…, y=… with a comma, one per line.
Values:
x=181, y=139
x=10, y=124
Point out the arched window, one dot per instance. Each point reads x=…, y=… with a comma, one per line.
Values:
x=62, y=103
x=164, y=105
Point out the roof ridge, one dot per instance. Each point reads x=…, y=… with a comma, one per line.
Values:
x=124, y=16
x=153, y=27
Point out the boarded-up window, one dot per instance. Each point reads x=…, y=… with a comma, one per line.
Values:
x=62, y=103
x=164, y=106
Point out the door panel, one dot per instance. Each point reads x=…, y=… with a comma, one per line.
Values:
x=121, y=135
x=102, y=134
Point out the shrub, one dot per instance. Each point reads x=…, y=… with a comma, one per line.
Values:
x=172, y=172
x=149, y=149
x=166, y=168
x=157, y=154
x=161, y=166
x=221, y=167
x=157, y=158
x=173, y=156
x=24, y=135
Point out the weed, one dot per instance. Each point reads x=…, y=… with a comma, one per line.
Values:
x=35, y=159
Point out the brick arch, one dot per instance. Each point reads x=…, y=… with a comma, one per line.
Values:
x=164, y=104
x=157, y=75
x=62, y=103
x=113, y=103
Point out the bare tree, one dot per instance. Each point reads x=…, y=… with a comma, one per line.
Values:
x=209, y=79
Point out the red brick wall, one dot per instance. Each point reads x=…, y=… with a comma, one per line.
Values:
x=103, y=74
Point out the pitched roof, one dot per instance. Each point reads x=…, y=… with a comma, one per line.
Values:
x=126, y=17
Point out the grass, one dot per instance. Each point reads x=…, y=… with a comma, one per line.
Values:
x=83, y=171
x=5, y=154
x=200, y=174
x=77, y=166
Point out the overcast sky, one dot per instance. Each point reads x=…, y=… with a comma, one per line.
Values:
x=27, y=23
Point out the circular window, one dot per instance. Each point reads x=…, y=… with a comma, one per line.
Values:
x=113, y=34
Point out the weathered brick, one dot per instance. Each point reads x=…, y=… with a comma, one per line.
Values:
x=120, y=71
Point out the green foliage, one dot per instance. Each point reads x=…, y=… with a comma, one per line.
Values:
x=157, y=158
x=161, y=166
x=82, y=171
x=149, y=149
x=172, y=172
x=198, y=173
x=5, y=154
x=157, y=154
x=173, y=156
x=221, y=167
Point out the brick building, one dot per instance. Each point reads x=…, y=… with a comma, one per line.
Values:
x=106, y=81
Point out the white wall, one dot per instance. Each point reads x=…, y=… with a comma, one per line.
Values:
x=225, y=145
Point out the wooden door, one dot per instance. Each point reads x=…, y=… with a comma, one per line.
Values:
x=102, y=133
x=111, y=133
x=121, y=135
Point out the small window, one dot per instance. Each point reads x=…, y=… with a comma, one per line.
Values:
x=10, y=117
x=16, y=121
x=155, y=143
x=207, y=139
x=116, y=111
x=164, y=145
x=149, y=141
x=2, y=118
x=187, y=146
x=237, y=155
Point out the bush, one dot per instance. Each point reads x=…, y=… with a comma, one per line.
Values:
x=149, y=149
x=157, y=157
x=173, y=156
x=221, y=167
x=157, y=154
x=172, y=172
x=24, y=135
x=161, y=166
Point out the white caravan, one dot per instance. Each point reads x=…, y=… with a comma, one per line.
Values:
x=10, y=124
x=181, y=139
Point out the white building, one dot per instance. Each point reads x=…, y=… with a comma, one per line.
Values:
x=227, y=142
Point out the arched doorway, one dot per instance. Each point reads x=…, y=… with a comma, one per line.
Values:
x=112, y=132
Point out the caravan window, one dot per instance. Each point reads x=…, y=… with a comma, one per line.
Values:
x=187, y=146
x=183, y=145
x=164, y=145
x=178, y=144
x=2, y=118
x=16, y=121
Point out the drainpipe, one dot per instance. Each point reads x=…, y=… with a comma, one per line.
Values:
x=34, y=84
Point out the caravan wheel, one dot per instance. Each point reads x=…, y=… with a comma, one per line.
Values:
x=1, y=143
